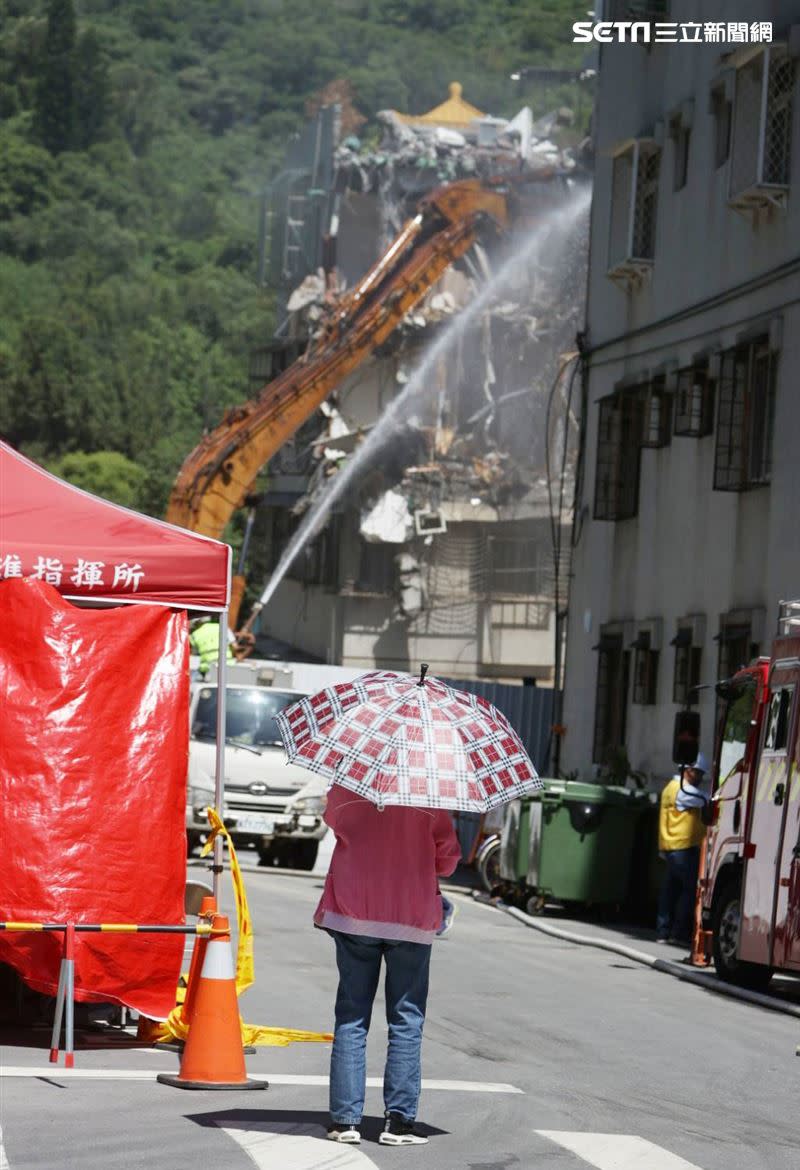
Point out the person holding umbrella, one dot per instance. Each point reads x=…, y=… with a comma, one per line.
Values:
x=399, y=754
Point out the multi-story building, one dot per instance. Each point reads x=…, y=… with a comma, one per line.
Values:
x=686, y=534
x=443, y=550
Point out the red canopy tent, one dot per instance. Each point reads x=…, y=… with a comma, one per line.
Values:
x=89, y=548
x=94, y=738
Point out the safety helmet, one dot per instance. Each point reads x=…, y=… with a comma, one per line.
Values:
x=700, y=764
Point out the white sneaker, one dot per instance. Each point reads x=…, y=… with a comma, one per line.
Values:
x=348, y=1135
x=399, y=1132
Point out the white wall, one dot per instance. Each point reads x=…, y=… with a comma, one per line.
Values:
x=689, y=549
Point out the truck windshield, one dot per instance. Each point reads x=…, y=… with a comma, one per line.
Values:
x=249, y=716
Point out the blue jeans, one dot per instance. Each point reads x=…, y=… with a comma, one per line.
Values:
x=677, y=897
x=358, y=958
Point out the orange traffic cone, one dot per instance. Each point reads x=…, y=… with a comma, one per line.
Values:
x=213, y=1058
x=183, y=1012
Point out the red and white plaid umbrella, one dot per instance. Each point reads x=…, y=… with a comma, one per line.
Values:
x=399, y=740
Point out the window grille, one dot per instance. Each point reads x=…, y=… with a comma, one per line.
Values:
x=762, y=127
x=686, y=673
x=634, y=206
x=618, y=457
x=610, y=696
x=745, y=417
x=656, y=412
x=645, y=670
x=694, y=401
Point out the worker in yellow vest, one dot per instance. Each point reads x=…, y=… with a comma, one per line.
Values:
x=680, y=833
x=204, y=641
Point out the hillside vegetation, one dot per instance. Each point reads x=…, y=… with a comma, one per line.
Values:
x=135, y=140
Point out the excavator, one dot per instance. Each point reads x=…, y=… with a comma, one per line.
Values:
x=218, y=476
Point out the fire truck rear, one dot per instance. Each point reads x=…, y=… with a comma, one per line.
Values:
x=749, y=893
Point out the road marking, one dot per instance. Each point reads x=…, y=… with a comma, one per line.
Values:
x=617, y=1151
x=3, y=1159
x=295, y=1147
x=54, y=1073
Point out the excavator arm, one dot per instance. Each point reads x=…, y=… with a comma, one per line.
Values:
x=218, y=476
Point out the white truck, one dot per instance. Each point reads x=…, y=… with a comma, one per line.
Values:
x=269, y=804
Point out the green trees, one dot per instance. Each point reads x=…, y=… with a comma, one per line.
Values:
x=54, y=115
x=135, y=141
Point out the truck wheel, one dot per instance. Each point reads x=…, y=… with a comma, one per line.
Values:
x=725, y=921
x=303, y=854
x=489, y=866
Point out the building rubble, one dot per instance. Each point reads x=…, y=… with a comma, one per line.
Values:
x=456, y=508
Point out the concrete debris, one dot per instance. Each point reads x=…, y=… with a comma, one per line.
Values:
x=388, y=520
x=411, y=585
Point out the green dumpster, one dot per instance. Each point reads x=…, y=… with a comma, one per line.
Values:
x=573, y=842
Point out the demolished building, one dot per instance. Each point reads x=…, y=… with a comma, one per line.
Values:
x=444, y=550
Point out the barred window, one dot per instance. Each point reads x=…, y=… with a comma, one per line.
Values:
x=618, y=457
x=694, y=401
x=686, y=673
x=645, y=670
x=745, y=417
x=762, y=126
x=634, y=206
x=610, y=696
x=656, y=412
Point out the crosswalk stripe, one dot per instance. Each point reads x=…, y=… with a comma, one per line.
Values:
x=52, y=1072
x=3, y=1159
x=297, y=1146
x=617, y=1151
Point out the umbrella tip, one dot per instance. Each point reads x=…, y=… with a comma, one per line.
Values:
x=423, y=670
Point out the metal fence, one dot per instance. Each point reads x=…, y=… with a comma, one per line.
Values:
x=529, y=710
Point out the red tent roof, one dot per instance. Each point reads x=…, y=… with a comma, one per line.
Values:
x=88, y=547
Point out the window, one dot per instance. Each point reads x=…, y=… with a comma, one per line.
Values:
x=686, y=672
x=681, y=136
x=610, y=696
x=656, y=412
x=694, y=401
x=736, y=648
x=762, y=126
x=776, y=737
x=618, y=456
x=634, y=205
x=745, y=419
x=645, y=670
x=377, y=571
x=722, y=110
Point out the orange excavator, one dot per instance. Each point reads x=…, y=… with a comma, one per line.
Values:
x=218, y=477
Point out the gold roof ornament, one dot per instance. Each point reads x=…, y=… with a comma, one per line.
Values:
x=454, y=113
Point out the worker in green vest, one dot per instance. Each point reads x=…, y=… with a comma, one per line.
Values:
x=204, y=641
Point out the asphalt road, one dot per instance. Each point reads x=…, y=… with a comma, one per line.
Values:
x=542, y=1054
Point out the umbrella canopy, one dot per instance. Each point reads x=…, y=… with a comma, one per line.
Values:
x=398, y=740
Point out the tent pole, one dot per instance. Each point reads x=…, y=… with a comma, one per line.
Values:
x=219, y=776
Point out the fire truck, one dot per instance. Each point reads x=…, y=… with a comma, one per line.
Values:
x=749, y=888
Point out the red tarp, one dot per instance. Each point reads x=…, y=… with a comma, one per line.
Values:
x=87, y=547
x=93, y=762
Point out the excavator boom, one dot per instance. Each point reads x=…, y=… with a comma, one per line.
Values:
x=218, y=476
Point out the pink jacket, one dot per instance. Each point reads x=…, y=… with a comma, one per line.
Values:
x=382, y=879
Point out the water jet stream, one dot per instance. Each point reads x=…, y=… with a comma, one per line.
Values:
x=563, y=223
